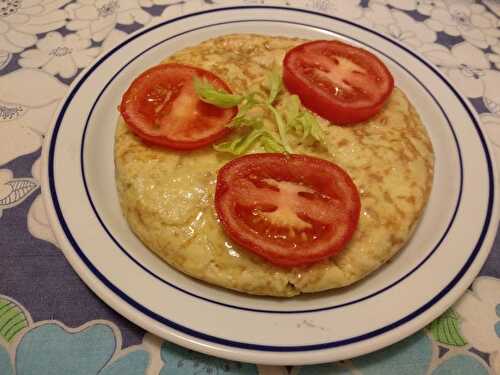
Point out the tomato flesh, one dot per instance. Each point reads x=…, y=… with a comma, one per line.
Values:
x=342, y=83
x=292, y=210
x=161, y=107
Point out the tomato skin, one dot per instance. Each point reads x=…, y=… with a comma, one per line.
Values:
x=149, y=104
x=298, y=80
x=331, y=189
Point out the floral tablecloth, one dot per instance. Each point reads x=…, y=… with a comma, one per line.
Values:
x=51, y=323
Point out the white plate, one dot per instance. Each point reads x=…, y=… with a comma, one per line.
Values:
x=449, y=246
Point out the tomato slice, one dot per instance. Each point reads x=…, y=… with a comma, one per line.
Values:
x=292, y=210
x=161, y=107
x=341, y=83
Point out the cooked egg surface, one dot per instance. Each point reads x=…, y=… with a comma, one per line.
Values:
x=167, y=196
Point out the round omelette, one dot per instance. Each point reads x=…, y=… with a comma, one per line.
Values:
x=167, y=196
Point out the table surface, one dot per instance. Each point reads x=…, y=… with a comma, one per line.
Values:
x=51, y=323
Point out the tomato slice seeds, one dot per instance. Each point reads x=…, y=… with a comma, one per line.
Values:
x=162, y=108
x=292, y=210
x=342, y=83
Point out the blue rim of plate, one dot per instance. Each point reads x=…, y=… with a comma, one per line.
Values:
x=251, y=346
x=373, y=294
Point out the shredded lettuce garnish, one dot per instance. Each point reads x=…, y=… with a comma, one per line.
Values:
x=271, y=144
x=314, y=129
x=303, y=122
x=249, y=103
x=209, y=94
x=292, y=108
x=239, y=145
x=250, y=130
x=274, y=82
x=281, y=128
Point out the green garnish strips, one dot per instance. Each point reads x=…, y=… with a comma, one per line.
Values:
x=274, y=82
x=247, y=139
x=243, y=144
x=302, y=121
x=209, y=94
x=251, y=130
x=282, y=129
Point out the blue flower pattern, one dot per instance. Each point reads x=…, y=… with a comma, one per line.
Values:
x=180, y=361
x=461, y=365
x=412, y=356
x=50, y=349
x=5, y=363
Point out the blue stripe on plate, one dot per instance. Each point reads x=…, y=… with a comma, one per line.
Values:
x=113, y=238
x=252, y=346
